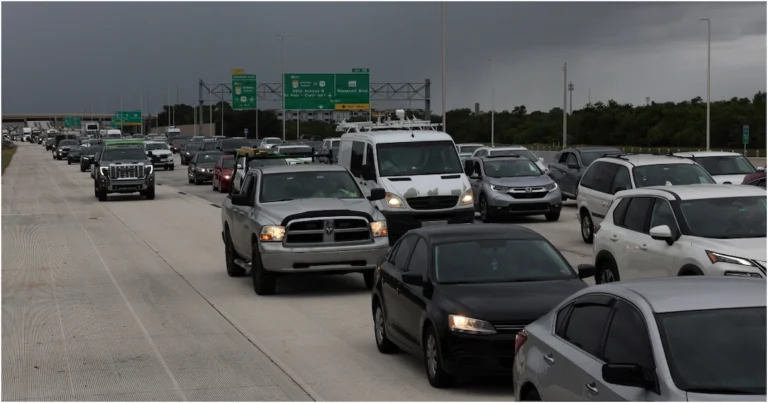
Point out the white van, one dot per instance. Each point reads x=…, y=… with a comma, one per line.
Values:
x=416, y=165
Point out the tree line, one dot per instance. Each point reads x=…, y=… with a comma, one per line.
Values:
x=658, y=124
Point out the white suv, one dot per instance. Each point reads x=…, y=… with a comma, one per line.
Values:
x=726, y=167
x=617, y=172
x=682, y=231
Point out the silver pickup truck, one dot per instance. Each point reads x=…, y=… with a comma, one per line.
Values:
x=293, y=219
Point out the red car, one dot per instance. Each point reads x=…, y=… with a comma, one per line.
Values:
x=222, y=173
x=755, y=179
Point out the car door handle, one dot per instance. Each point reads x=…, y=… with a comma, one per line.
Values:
x=605, y=203
x=549, y=359
x=592, y=388
x=643, y=247
x=614, y=238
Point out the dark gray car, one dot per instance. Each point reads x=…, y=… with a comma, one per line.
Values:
x=571, y=163
x=201, y=167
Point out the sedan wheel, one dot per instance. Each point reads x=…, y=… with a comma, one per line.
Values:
x=382, y=342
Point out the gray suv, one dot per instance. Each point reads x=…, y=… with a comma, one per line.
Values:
x=511, y=185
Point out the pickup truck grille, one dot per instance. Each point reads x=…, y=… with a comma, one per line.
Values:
x=327, y=231
x=126, y=172
x=432, y=202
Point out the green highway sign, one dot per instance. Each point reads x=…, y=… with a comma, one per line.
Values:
x=72, y=121
x=745, y=134
x=327, y=91
x=127, y=118
x=244, y=91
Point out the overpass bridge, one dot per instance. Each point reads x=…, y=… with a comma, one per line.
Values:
x=59, y=117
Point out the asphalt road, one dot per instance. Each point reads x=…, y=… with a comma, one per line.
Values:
x=129, y=300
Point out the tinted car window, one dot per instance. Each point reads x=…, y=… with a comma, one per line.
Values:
x=570, y=158
x=562, y=319
x=588, y=179
x=621, y=181
x=627, y=341
x=726, y=165
x=670, y=174
x=727, y=217
x=589, y=157
x=604, y=174
x=356, y=160
x=419, y=259
x=620, y=211
x=404, y=251
x=637, y=213
x=585, y=327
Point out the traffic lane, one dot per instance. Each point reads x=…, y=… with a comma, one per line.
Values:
x=90, y=312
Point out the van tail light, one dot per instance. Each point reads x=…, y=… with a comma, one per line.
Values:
x=597, y=228
x=520, y=339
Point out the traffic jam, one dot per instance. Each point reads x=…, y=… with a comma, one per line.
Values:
x=672, y=307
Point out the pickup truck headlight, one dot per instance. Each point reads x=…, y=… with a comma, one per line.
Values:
x=104, y=170
x=394, y=201
x=551, y=187
x=151, y=169
x=715, y=257
x=467, y=199
x=463, y=324
x=379, y=229
x=272, y=233
x=500, y=189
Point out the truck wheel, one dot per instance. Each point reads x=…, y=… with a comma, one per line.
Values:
x=69, y=161
x=368, y=279
x=95, y=189
x=102, y=193
x=196, y=180
x=264, y=282
x=552, y=216
x=150, y=193
x=82, y=168
x=171, y=167
x=233, y=270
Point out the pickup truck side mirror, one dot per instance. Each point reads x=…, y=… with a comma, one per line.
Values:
x=240, y=199
x=760, y=169
x=377, y=194
x=239, y=166
x=573, y=166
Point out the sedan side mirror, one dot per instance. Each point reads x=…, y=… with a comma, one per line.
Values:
x=662, y=233
x=760, y=169
x=411, y=278
x=631, y=375
x=377, y=194
x=573, y=166
x=586, y=270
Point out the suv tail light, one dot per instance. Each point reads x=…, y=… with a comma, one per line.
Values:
x=597, y=228
x=520, y=339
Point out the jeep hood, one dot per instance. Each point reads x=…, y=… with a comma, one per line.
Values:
x=426, y=185
x=278, y=211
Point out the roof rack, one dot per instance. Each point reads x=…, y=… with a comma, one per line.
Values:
x=502, y=156
x=402, y=123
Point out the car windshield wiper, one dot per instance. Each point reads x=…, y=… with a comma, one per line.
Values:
x=729, y=391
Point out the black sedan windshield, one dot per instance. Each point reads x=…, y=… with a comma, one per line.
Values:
x=670, y=174
x=726, y=218
x=120, y=154
x=499, y=261
x=308, y=185
x=726, y=165
x=508, y=168
x=720, y=351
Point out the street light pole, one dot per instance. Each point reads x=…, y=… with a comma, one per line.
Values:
x=282, y=58
x=442, y=22
x=565, y=106
x=709, y=47
x=493, y=100
x=570, y=107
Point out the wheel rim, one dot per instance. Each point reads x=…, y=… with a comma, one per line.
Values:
x=585, y=227
x=432, y=355
x=607, y=276
x=379, y=323
x=483, y=209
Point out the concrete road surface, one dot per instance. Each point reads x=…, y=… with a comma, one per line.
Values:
x=129, y=300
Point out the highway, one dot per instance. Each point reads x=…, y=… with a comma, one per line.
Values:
x=129, y=300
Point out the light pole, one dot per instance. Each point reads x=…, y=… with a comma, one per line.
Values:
x=709, y=47
x=570, y=90
x=442, y=22
x=565, y=106
x=282, y=58
x=493, y=100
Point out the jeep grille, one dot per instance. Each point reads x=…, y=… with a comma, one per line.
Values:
x=327, y=231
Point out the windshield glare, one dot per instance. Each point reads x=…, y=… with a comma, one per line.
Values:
x=208, y=158
x=726, y=218
x=155, y=146
x=117, y=154
x=720, y=351
x=418, y=158
x=510, y=168
x=308, y=185
x=726, y=165
x=499, y=261
x=670, y=174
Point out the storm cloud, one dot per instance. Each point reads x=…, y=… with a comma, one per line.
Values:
x=63, y=57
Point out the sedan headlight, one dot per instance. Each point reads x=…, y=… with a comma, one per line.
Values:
x=715, y=257
x=201, y=169
x=394, y=201
x=463, y=324
x=379, y=229
x=500, y=189
x=468, y=198
x=272, y=233
x=551, y=187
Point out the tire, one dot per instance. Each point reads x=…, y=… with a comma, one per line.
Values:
x=95, y=190
x=195, y=180
x=485, y=214
x=368, y=279
x=213, y=183
x=264, y=282
x=102, y=194
x=531, y=396
x=607, y=272
x=190, y=180
x=433, y=361
x=82, y=168
x=552, y=216
x=233, y=270
x=150, y=193
x=69, y=161
x=171, y=167
x=384, y=345
x=587, y=228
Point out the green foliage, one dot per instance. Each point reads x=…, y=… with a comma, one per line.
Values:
x=666, y=124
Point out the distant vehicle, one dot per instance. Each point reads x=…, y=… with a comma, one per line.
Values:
x=301, y=154
x=88, y=155
x=62, y=150
x=511, y=150
x=468, y=147
x=755, y=179
x=222, y=173
x=74, y=154
x=160, y=154
x=329, y=151
x=200, y=168
x=123, y=168
x=172, y=132
x=725, y=167
x=113, y=134
x=268, y=142
x=188, y=151
x=571, y=163
x=229, y=146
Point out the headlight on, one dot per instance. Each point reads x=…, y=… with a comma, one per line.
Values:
x=104, y=170
x=272, y=233
x=715, y=257
x=468, y=198
x=500, y=189
x=394, y=201
x=227, y=177
x=151, y=169
x=551, y=187
x=379, y=229
x=201, y=169
x=463, y=324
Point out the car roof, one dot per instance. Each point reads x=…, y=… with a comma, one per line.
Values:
x=400, y=136
x=691, y=293
x=470, y=144
x=696, y=154
x=695, y=192
x=501, y=148
x=155, y=142
x=502, y=157
x=460, y=232
x=280, y=169
x=646, y=159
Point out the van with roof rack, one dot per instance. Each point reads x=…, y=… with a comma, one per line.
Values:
x=418, y=167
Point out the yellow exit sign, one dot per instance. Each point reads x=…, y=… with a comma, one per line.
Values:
x=237, y=71
x=352, y=107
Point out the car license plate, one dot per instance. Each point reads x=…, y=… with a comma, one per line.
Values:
x=433, y=223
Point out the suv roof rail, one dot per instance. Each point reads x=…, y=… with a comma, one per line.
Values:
x=616, y=155
x=402, y=123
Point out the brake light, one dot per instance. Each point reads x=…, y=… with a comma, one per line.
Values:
x=597, y=228
x=520, y=339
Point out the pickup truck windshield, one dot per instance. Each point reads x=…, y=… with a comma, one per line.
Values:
x=418, y=158
x=120, y=154
x=308, y=185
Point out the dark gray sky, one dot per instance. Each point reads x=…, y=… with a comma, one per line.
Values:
x=59, y=57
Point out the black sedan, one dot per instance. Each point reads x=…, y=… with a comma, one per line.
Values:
x=87, y=156
x=200, y=168
x=74, y=154
x=456, y=295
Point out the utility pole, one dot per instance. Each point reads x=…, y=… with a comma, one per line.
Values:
x=570, y=90
x=121, y=112
x=493, y=100
x=647, y=101
x=210, y=113
x=282, y=58
x=589, y=96
x=442, y=21
x=709, y=48
x=174, y=105
x=168, y=113
x=565, y=101
x=141, y=111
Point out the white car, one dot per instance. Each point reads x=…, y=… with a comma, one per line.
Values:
x=617, y=172
x=663, y=231
x=516, y=150
x=468, y=148
x=300, y=154
x=268, y=142
x=726, y=167
x=160, y=153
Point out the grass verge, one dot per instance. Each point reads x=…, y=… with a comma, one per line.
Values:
x=6, y=158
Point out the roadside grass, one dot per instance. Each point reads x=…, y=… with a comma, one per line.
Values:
x=6, y=158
